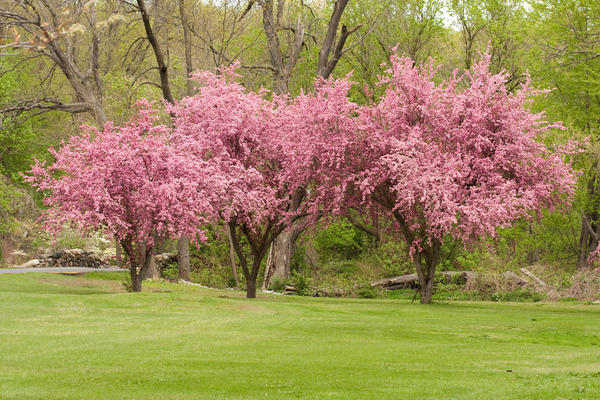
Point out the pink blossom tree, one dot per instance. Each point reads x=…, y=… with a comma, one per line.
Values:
x=455, y=159
x=239, y=134
x=128, y=182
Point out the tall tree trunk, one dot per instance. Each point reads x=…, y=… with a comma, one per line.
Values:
x=183, y=248
x=149, y=269
x=232, y=258
x=183, y=244
x=118, y=259
x=284, y=244
x=183, y=258
x=590, y=228
x=331, y=51
x=187, y=45
x=280, y=255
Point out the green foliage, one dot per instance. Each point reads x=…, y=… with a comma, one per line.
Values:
x=552, y=240
x=392, y=257
x=9, y=195
x=340, y=241
x=343, y=269
x=210, y=261
x=455, y=256
x=277, y=284
x=170, y=271
x=302, y=283
x=127, y=284
x=367, y=293
x=215, y=276
x=299, y=261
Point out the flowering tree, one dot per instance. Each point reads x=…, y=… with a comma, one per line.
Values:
x=129, y=182
x=238, y=133
x=455, y=159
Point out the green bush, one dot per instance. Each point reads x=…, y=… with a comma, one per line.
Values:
x=277, y=284
x=126, y=282
x=340, y=241
x=367, y=293
x=216, y=277
x=302, y=283
x=341, y=268
x=170, y=271
x=392, y=258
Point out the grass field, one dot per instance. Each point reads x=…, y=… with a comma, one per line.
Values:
x=65, y=337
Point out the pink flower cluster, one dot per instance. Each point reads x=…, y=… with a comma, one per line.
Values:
x=128, y=181
x=456, y=157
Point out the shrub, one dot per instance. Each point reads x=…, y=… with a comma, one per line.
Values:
x=302, y=283
x=126, y=282
x=586, y=285
x=367, y=293
x=277, y=284
x=170, y=271
x=340, y=241
x=392, y=258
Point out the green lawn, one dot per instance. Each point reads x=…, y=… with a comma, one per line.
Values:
x=64, y=337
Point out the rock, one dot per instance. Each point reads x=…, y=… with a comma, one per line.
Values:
x=71, y=258
x=163, y=260
x=29, y=264
x=329, y=292
x=18, y=253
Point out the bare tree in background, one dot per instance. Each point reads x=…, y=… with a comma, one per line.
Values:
x=332, y=48
x=69, y=40
x=44, y=29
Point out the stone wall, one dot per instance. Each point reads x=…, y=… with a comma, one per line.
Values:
x=70, y=258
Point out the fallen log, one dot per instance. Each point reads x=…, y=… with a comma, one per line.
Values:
x=458, y=277
x=398, y=282
x=535, y=278
x=515, y=279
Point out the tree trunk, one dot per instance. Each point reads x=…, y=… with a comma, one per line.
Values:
x=183, y=258
x=187, y=45
x=232, y=258
x=280, y=256
x=584, y=238
x=425, y=263
x=588, y=239
x=251, y=288
x=118, y=259
x=146, y=260
x=136, y=280
x=149, y=270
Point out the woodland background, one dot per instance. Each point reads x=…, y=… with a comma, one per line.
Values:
x=105, y=55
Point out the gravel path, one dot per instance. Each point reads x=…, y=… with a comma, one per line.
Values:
x=57, y=270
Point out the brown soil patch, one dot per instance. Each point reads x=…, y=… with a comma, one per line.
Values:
x=75, y=281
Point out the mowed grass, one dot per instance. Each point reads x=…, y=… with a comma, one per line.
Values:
x=64, y=337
